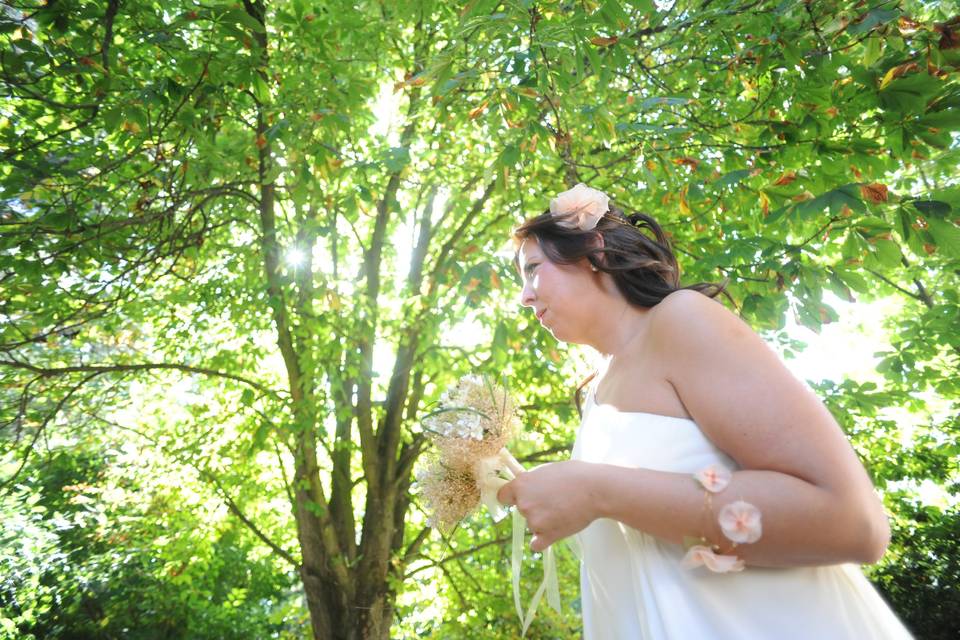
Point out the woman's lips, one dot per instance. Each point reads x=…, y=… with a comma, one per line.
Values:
x=540, y=315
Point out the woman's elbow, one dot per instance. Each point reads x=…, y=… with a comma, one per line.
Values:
x=876, y=539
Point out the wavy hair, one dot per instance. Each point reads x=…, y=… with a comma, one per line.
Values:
x=636, y=253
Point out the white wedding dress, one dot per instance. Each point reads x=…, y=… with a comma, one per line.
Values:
x=633, y=586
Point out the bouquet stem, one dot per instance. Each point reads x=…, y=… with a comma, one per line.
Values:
x=515, y=467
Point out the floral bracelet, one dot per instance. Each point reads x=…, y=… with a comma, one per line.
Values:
x=739, y=521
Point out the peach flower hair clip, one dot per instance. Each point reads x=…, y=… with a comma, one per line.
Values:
x=580, y=207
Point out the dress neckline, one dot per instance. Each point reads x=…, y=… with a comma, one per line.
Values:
x=594, y=403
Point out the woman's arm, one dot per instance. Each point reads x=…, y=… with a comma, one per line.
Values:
x=802, y=523
x=817, y=503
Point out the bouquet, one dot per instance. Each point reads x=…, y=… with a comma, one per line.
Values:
x=470, y=431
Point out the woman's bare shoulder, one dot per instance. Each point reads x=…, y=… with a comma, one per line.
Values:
x=691, y=308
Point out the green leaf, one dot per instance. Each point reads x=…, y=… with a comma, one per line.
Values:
x=853, y=280
x=872, y=19
x=396, y=158
x=889, y=253
x=946, y=235
x=510, y=155
x=614, y=15
x=243, y=18
x=260, y=88
x=112, y=118
x=932, y=207
x=947, y=119
x=853, y=246
x=260, y=436
x=731, y=178
x=909, y=93
x=669, y=101
x=872, y=51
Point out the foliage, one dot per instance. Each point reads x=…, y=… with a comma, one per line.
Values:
x=88, y=554
x=922, y=577
x=248, y=242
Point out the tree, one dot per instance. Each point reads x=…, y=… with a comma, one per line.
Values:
x=200, y=197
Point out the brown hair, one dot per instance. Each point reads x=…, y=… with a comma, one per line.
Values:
x=644, y=268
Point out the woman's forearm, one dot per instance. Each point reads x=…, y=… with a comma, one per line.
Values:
x=802, y=524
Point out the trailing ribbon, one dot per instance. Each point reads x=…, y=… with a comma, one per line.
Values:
x=490, y=482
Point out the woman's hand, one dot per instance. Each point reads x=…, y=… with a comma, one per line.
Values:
x=557, y=499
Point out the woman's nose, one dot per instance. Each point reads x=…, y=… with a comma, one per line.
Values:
x=527, y=295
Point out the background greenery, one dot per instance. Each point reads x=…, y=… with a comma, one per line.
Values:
x=244, y=247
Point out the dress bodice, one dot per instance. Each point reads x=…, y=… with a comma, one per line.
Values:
x=641, y=439
x=634, y=587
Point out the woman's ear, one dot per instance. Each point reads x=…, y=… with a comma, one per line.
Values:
x=596, y=242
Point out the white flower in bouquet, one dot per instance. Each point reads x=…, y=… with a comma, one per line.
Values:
x=470, y=429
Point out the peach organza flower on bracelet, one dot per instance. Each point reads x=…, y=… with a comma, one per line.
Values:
x=740, y=522
x=714, y=478
x=702, y=555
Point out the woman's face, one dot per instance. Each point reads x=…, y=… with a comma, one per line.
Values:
x=560, y=295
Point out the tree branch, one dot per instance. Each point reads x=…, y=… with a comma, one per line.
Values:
x=99, y=369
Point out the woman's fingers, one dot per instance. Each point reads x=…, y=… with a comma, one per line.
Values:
x=539, y=542
x=505, y=495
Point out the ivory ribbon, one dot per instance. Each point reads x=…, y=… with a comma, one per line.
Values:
x=490, y=481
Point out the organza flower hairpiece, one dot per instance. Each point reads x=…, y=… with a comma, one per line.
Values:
x=580, y=207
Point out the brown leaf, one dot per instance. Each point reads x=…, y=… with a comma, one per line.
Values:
x=693, y=163
x=601, y=41
x=786, y=178
x=512, y=125
x=897, y=72
x=949, y=33
x=874, y=192
x=907, y=26
x=929, y=248
x=475, y=113
x=261, y=141
x=684, y=207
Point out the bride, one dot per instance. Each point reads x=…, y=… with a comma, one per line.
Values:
x=710, y=492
